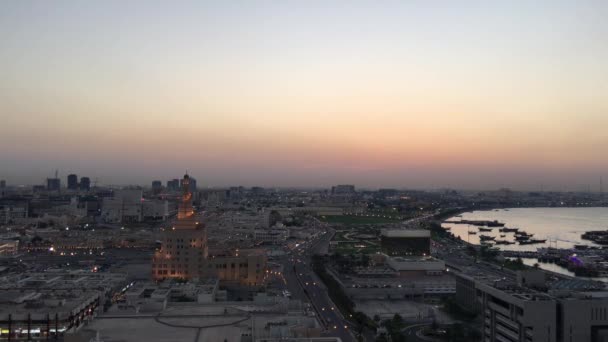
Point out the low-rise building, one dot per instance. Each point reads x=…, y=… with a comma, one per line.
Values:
x=44, y=306
x=271, y=236
x=411, y=265
x=405, y=242
x=128, y=205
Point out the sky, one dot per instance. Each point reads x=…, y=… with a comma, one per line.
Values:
x=414, y=94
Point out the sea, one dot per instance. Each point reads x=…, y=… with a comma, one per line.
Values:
x=561, y=227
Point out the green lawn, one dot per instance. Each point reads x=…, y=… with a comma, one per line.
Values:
x=353, y=220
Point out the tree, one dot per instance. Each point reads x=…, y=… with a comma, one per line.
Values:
x=397, y=319
x=36, y=240
x=365, y=259
x=434, y=325
x=360, y=321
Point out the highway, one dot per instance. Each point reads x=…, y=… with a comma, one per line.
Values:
x=304, y=284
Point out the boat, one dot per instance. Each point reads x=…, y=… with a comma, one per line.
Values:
x=472, y=232
x=585, y=247
x=482, y=229
x=481, y=223
x=508, y=230
x=533, y=241
x=502, y=235
x=522, y=238
x=598, y=236
x=503, y=242
x=486, y=237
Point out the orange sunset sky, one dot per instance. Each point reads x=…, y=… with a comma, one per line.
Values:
x=418, y=94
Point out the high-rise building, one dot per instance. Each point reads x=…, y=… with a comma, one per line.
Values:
x=192, y=185
x=173, y=185
x=405, y=242
x=72, y=182
x=157, y=187
x=85, y=184
x=2, y=184
x=183, y=249
x=53, y=184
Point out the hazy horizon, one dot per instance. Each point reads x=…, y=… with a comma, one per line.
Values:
x=467, y=95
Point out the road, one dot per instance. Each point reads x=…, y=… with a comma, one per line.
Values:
x=304, y=284
x=411, y=333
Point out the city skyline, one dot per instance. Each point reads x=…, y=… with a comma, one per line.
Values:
x=470, y=96
x=597, y=187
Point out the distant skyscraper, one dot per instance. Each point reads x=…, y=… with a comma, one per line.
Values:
x=173, y=185
x=53, y=184
x=2, y=184
x=85, y=183
x=344, y=189
x=73, y=182
x=157, y=186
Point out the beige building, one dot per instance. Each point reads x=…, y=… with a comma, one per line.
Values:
x=245, y=267
x=183, y=252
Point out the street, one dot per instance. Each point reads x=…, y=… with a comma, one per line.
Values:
x=304, y=284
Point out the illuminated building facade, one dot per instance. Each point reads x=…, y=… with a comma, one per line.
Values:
x=183, y=252
x=183, y=249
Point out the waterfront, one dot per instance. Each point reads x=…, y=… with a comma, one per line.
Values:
x=561, y=227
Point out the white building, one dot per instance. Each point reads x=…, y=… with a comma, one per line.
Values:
x=128, y=205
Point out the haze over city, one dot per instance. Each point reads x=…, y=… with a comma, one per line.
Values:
x=303, y=171
x=469, y=94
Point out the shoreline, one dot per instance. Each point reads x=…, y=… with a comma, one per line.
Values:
x=570, y=241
